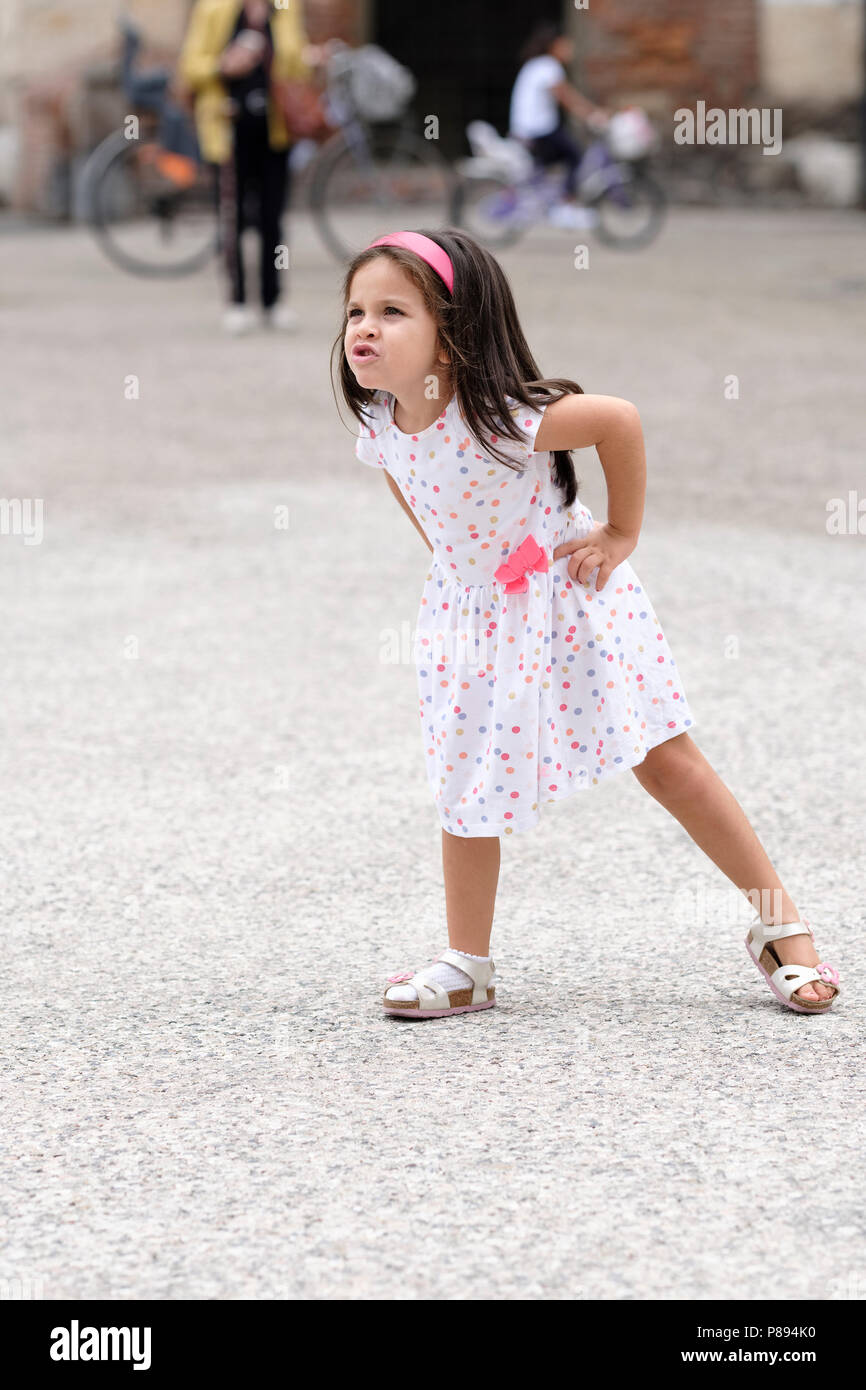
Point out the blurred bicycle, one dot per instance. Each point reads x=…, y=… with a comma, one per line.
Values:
x=502, y=192
x=375, y=172
x=146, y=193
x=152, y=202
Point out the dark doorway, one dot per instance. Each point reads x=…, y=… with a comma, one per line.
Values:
x=464, y=54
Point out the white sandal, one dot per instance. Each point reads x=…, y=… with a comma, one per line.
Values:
x=434, y=1001
x=785, y=979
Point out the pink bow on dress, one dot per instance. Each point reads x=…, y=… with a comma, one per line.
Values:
x=528, y=557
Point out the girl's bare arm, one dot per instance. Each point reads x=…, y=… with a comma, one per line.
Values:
x=613, y=427
x=576, y=102
x=407, y=509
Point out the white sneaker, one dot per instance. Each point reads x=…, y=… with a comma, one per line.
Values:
x=570, y=215
x=282, y=317
x=238, y=318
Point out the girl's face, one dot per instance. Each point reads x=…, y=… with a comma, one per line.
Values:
x=388, y=320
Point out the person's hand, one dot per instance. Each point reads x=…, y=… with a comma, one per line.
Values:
x=598, y=118
x=238, y=59
x=601, y=546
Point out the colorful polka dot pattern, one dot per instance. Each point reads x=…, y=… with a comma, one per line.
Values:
x=524, y=698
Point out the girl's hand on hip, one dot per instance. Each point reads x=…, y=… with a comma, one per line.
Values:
x=602, y=546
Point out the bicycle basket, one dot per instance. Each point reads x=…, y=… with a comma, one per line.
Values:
x=630, y=134
x=380, y=87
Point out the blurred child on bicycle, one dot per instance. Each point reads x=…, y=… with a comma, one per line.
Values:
x=537, y=118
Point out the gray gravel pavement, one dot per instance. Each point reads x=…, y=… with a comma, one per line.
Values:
x=217, y=837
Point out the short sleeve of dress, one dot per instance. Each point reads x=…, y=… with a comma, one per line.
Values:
x=368, y=446
x=528, y=420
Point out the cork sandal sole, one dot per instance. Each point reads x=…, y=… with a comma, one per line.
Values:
x=460, y=999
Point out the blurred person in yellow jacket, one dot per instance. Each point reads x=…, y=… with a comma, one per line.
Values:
x=232, y=52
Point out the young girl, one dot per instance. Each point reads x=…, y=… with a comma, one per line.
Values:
x=542, y=667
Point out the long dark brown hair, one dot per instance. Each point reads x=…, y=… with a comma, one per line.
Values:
x=478, y=326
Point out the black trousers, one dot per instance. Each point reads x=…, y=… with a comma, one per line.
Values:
x=559, y=147
x=256, y=173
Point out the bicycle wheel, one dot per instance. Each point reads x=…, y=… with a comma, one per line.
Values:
x=491, y=210
x=153, y=212
x=370, y=180
x=630, y=211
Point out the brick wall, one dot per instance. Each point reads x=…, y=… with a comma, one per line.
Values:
x=669, y=53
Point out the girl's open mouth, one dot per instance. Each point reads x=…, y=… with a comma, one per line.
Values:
x=360, y=353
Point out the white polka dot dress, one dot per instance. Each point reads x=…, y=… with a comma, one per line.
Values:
x=525, y=696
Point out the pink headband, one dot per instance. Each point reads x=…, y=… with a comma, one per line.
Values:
x=428, y=250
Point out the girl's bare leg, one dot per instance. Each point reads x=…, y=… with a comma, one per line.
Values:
x=471, y=871
x=677, y=775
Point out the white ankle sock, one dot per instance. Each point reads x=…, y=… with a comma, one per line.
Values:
x=445, y=974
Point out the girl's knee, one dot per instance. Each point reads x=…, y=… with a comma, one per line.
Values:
x=671, y=762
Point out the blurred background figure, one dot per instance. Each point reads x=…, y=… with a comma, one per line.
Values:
x=234, y=54
x=539, y=100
